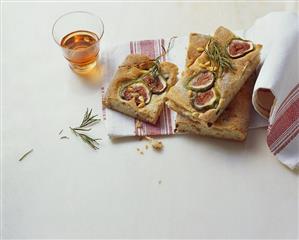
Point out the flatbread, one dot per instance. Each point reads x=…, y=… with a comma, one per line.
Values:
x=227, y=84
x=231, y=124
x=133, y=68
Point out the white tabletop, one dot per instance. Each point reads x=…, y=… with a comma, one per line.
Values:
x=197, y=187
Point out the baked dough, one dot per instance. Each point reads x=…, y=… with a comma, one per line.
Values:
x=231, y=124
x=228, y=84
x=132, y=68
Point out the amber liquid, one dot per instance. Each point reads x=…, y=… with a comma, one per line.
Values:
x=81, y=49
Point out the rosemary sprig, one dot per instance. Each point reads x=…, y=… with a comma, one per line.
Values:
x=26, y=154
x=87, y=122
x=88, y=119
x=218, y=56
x=155, y=69
x=92, y=142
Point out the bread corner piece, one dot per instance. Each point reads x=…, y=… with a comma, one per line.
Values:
x=130, y=71
x=232, y=123
x=228, y=84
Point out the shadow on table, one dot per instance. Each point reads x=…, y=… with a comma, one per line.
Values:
x=225, y=145
x=89, y=82
x=93, y=77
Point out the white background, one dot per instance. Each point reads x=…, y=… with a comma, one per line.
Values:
x=197, y=187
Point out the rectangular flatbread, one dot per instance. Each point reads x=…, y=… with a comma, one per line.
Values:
x=216, y=69
x=139, y=87
x=232, y=123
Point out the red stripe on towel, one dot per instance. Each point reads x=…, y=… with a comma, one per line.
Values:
x=286, y=123
x=287, y=101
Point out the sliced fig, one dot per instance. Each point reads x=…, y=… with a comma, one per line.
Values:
x=137, y=91
x=205, y=100
x=239, y=47
x=202, y=81
x=157, y=84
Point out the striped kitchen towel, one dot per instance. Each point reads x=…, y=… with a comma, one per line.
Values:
x=276, y=92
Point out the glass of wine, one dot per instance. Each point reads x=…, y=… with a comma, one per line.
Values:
x=79, y=34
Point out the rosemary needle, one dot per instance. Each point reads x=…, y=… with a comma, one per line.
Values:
x=60, y=131
x=26, y=154
x=64, y=137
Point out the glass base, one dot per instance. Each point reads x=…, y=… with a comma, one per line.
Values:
x=83, y=69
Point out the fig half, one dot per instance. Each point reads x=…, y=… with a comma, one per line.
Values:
x=157, y=84
x=239, y=47
x=202, y=81
x=137, y=91
x=205, y=100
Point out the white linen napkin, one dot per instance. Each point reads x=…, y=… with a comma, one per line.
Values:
x=278, y=33
x=276, y=92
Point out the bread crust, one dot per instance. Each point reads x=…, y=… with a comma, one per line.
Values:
x=197, y=43
x=232, y=123
x=228, y=85
x=131, y=69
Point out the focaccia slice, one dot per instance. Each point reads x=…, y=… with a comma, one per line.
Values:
x=139, y=87
x=216, y=69
x=231, y=124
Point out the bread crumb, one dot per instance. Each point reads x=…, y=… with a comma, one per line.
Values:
x=140, y=151
x=157, y=145
x=190, y=93
x=200, y=49
x=146, y=146
x=138, y=124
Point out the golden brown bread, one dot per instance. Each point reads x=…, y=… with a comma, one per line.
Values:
x=231, y=124
x=228, y=84
x=131, y=69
